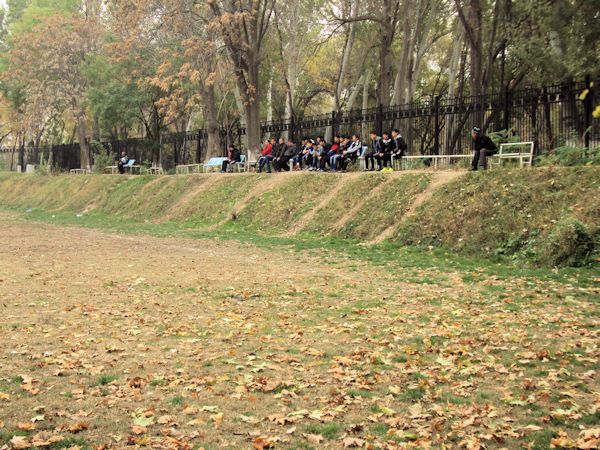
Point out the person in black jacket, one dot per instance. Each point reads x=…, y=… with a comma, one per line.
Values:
x=123, y=162
x=278, y=152
x=384, y=157
x=373, y=151
x=484, y=147
x=399, y=148
x=291, y=150
x=233, y=156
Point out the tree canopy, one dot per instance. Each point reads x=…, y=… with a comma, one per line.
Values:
x=77, y=70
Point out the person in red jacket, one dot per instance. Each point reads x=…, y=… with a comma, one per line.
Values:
x=266, y=157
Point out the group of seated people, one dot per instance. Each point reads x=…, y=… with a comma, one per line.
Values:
x=319, y=155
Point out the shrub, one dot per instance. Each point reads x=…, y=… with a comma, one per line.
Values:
x=102, y=156
x=101, y=161
x=571, y=156
x=569, y=244
x=504, y=136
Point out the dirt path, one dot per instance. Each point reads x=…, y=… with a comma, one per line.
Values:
x=324, y=201
x=438, y=180
x=266, y=183
x=206, y=182
x=352, y=212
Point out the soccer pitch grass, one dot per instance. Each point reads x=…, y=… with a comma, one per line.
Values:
x=117, y=340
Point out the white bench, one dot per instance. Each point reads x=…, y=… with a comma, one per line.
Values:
x=213, y=164
x=241, y=166
x=525, y=158
x=130, y=165
x=80, y=171
x=155, y=171
x=186, y=169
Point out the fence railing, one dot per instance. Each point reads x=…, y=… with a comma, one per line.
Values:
x=549, y=116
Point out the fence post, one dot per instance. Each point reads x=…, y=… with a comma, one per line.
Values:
x=505, y=101
x=22, y=157
x=199, y=148
x=292, y=129
x=379, y=120
x=588, y=108
x=534, y=121
x=436, y=108
x=334, y=124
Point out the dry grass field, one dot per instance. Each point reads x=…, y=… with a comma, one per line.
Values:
x=131, y=341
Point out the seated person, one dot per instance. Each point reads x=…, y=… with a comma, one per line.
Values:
x=308, y=155
x=320, y=157
x=484, y=147
x=333, y=155
x=278, y=152
x=290, y=152
x=123, y=162
x=384, y=157
x=265, y=157
x=374, y=150
x=233, y=156
x=350, y=155
x=399, y=144
x=297, y=159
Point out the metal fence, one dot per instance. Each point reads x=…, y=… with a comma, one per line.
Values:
x=551, y=116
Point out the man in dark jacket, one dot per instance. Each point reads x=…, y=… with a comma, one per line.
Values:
x=373, y=151
x=278, y=152
x=123, y=162
x=399, y=148
x=384, y=157
x=233, y=156
x=290, y=152
x=484, y=147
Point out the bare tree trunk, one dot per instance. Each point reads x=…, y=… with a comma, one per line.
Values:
x=471, y=16
x=270, y=100
x=346, y=56
x=84, y=148
x=365, y=100
x=354, y=93
x=214, y=144
x=386, y=36
x=400, y=83
x=453, y=71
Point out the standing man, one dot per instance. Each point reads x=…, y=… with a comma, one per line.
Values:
x=484, y=147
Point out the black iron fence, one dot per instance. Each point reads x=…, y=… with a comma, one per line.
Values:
x=551, y=116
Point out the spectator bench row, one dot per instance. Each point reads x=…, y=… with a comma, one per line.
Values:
x=525, y=159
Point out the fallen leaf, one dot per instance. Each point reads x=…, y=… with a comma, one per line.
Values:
x=314, y=438
x=19, y=442
x=352, y=442
x=136, y=429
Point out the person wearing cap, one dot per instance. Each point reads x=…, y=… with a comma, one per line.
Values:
x=233, y=156
x=484, y=147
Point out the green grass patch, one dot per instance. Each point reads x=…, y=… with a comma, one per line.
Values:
x=329, y=431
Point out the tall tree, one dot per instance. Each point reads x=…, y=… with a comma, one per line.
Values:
x=242, y=25
x=385, y=14
x=48, y=61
